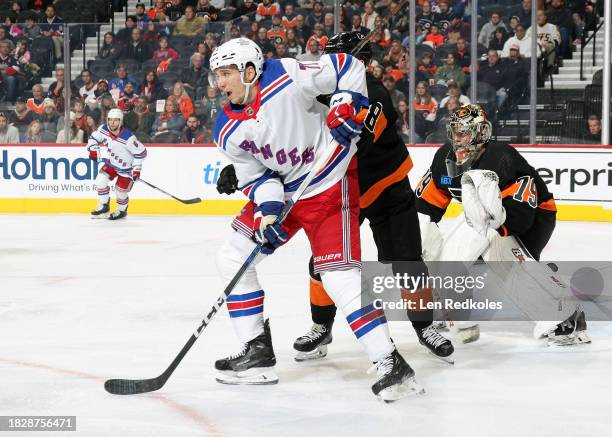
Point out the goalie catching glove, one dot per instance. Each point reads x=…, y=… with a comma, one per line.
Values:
x=268, y=233
x=344, y=119
x=481, y=199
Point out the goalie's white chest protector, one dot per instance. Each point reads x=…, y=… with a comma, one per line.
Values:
x=281, y=132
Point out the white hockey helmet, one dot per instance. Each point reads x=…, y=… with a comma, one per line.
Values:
x=239, y=52
x=115, y=113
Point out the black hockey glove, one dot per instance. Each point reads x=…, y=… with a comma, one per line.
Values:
x=227, y=183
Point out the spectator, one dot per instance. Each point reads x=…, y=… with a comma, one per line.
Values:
x=140, y=119
x=594, y=129
x=34, y=133
x=522, y=40
x=190, y=24
x=211, y=104
x=403, y=121
x=22, y=116
x=106, y=104
x=195, y=77
x=312, y=51
x=319, y=35
x=128, y=97
x=487, y=31
x=50, y=119
x=392, y=58
x=450, y=71
x=164, y=52
x=56, y=89
x=193, y=133
x=185, y=105
x=53, y=26
x=170, y=120
x=92, y=121
x=277, y=33
x=100, y=92
x=454, y=91
x=80, y=116
x=88, y=84
x=493, y=73
x=443, y=115
x=426, y=18
x=9, y=68
x=516, y=74
x=151, y=35
x=76, y=135
x=110, y=50
x=280, y=50
x=207, y=11
x=462, y=55
x=549, y=38
x=328, y=23
x=434, y=37
x=381, y=36
x=31, y=29
x=369, y=15
x=263, y=42
x=118, y=83
x=289, y=19
x=512, y=23
x=124, y=35
x=137, y=49
x=426, y=69
x=294, y=48
x=396, y=95
x=152, y=88
x=377, y=72
x=302, y=30
x=22, y=54
x=458, y=28
x=500, y=36
x=35, y=103
x=210, y=40
x=141, y=17
x=524, y=15
x=175, y=11
x=397, y=19
x=443, y=17
x=317, y=16
x=158, y=11
x=203, y=50
x=246, y=10
x=426, y=109
x=266, y=10
x=356, y=25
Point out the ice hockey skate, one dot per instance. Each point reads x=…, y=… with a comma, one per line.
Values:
x=253, y=365
x=570, y=332
x=395, y=379
x=313, y=344
x=436, y=344
x=101, y=212
x=118, y=215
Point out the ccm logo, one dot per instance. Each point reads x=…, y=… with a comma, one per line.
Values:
x=329, y=257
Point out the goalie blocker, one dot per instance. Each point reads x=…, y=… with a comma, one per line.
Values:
x=506, y=199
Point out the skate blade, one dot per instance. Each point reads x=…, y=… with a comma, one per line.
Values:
x=569, y=340
x=256, y=376
x=101, y=216
x=409, y=387
x=317, y=354
x=448, y=360
x=469, y=335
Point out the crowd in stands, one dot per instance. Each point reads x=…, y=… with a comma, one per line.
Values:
x=155, y=67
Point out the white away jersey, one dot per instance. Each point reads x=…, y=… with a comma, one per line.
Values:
x=123, y=151
x=273, y=141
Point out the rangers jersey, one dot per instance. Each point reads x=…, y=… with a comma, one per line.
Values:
x=274, y=140
x=122, y=151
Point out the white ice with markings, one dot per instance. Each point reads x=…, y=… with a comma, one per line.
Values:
x=82, y=301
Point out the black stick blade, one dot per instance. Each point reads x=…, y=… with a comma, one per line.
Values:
x=133, y=386
x=191, y=201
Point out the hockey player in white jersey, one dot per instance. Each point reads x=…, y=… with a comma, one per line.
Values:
x=271, y=129
x=122, y=155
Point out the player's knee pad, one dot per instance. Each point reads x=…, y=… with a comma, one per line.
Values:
x=102, y=180
x=398, y=236
x=230, y=258
x=342, y=286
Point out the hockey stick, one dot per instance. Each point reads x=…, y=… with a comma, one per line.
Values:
x=135, y=386
x=185, y=201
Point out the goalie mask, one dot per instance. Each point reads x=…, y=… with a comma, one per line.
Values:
x=469, y=130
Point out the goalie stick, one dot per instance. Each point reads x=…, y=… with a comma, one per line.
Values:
x=185, y=201
x=136, y=386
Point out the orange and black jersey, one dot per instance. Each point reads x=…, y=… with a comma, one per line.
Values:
x=523, y=191
x=383, y=158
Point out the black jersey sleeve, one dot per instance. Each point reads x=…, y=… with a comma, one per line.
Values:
x=433, y=200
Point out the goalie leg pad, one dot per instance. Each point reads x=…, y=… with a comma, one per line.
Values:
x=463, y=243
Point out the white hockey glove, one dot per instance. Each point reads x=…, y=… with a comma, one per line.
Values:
x=481, y=199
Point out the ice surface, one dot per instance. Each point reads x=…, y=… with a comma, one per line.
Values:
x=84, y=300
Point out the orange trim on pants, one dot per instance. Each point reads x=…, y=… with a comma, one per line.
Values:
x=375, y=190
x=318, y=295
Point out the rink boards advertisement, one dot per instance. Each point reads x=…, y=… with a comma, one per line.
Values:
x=45, y=178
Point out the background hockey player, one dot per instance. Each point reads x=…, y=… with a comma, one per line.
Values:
x=517, y=203
x=271, y=130
x=388, y=202
x=122, y=155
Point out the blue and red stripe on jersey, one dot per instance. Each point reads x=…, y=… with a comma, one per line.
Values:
x=342, y=63
x=365, y=319
x=240, y=305
x=338, y=156
x=250, y=188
